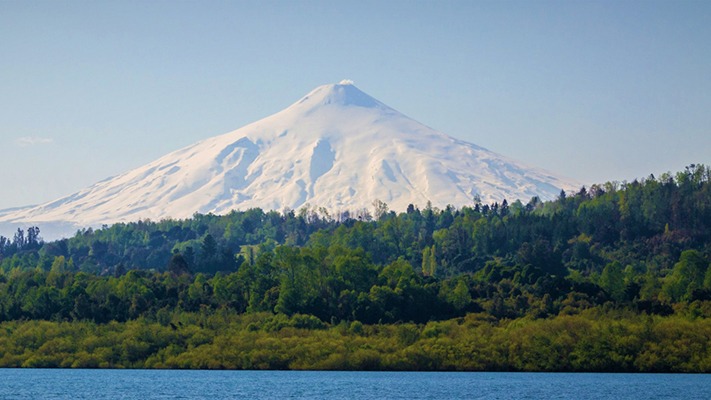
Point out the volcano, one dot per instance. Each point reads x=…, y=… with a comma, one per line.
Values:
x=336, y=148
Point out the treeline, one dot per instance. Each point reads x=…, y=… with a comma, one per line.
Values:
x=333, y=286
x=341, y=284
x=593, y=341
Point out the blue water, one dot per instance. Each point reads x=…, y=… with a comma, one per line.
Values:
x=215, y=385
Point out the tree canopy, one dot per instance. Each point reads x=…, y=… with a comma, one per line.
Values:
x=640, y=247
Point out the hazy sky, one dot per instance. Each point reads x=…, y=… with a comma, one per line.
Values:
x=594, y=90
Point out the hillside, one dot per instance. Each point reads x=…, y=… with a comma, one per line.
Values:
x=613, y=278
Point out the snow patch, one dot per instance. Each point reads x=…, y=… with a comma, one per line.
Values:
x=388, y=171
x=322, y=160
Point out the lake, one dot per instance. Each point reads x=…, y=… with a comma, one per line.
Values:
x=215, y=385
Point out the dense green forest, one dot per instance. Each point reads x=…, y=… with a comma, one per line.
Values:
x=614, y=277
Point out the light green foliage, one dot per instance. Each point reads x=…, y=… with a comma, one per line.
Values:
x=460, y=297
x=429, y=261
x=688, y=275
x=592, y=341
x=612, y=280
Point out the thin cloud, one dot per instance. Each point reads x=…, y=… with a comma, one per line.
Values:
x=26, y=141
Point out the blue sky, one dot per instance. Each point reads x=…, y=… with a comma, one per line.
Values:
x=594, y=90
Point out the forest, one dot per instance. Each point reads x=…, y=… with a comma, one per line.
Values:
x=615, y=277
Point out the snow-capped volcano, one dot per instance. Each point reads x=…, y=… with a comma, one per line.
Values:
x=337, y=148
